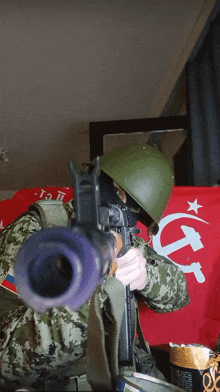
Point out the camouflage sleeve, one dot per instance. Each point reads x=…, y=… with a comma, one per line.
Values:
x=35, y=346
x=166, y=289
x=11, y=239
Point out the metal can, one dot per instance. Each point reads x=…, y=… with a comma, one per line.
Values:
x=138, y=382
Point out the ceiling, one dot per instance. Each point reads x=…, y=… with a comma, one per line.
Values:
x=67, y=63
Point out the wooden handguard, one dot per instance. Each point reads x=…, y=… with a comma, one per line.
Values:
x=118, y=247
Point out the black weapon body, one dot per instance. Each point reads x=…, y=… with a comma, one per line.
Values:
x=110, y=217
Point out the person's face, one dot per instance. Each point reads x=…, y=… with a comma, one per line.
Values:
x=135, y=208
x=121, y=193
x=123, y=196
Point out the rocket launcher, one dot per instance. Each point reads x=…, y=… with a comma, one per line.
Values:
x=61, y=266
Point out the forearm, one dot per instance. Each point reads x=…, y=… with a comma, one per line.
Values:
x=166, y=286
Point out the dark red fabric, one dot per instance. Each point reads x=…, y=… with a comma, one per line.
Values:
x=198, y=322
x=194, y=214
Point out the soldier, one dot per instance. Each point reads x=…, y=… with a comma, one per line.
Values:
x=38, y=349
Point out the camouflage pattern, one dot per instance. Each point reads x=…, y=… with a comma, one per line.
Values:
x=35, y=346
x=166, y=290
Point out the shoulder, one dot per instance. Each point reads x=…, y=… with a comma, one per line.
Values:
x=12, y=237
x=20, y=228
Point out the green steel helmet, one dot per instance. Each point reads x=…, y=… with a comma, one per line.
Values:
x=146, y=175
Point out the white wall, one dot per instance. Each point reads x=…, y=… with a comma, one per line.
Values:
x=66, y=63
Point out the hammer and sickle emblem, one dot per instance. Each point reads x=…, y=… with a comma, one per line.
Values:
x=191, y=237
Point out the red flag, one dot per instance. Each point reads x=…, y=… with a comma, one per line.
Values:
x=189, y=236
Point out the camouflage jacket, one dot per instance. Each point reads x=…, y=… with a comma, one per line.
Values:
x=36, y=346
